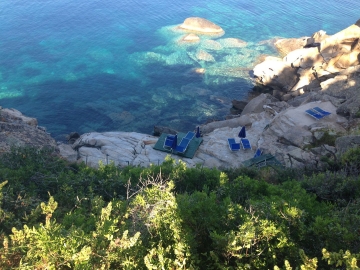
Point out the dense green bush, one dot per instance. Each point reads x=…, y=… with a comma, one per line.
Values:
x=56, y=215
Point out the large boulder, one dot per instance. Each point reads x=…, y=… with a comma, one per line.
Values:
x=287, y=45
x=345, y=143
x=17, y=129
x=329, y=64
x=256, y=105
x=304, y=57
x=16, y=116
x=200, y=25
x=342, y=49
x=276, y=73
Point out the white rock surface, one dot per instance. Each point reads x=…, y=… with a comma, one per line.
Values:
x=284, y=134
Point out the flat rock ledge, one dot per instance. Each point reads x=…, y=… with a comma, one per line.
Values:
x=277, y=128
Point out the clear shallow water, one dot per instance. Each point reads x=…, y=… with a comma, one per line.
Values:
x=117, y=65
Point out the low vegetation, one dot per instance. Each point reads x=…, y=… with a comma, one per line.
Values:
x=56, y=215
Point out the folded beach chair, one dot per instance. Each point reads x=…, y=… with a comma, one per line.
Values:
x=169, y=141
x=321, y=111
x=258, y=153
x=233, y=145
x=181, y=148
x=316, y=115
x=245, y=143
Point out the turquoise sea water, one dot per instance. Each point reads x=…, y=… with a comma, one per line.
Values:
x=118, y=65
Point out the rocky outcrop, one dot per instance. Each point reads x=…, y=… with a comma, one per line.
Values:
x=325, y=64
x=321, y=71
x=277, y=128
x=200, y=25
x=286, y=45
x=17, y=129
x=345, y=143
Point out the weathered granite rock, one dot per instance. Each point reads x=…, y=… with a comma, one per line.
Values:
x=13, y=115
x=201, y=25
x=284, y=133
x=72, y=137
x=17, y=129
x=345, y=143
x=256, y=105
x=276, y=73
x=344, y=41
x=326, y=64
x=239, y=104
x=286, y=45
x=304, y=57
x=319, y=36
x=68, y=152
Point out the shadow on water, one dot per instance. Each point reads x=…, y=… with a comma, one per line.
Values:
x=170, y=96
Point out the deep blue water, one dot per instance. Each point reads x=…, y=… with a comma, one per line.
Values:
x=91, y=65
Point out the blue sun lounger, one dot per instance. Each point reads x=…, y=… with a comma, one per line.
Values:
x=181, y=148
x=190, y=135
x=316, y=115
x=321, y=111
x=245, y=143
x=233, y=145
x=258, y=153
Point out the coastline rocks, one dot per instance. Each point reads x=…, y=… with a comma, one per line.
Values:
x=257, y=104
x=276, y=73
x=17, y=129
x=345, y=143
x=282, y=131
x=287, y=45
x=322, y=63
x=200, y=25
x=16, y=116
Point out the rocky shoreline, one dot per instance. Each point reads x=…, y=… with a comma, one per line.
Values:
x=319, y=70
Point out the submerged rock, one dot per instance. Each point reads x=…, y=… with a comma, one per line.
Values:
x=211, y=45
x=190, y=38
x=204, y=56
x=201, y=25
x=232, y=43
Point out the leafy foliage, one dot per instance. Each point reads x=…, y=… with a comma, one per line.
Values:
x=56, y=215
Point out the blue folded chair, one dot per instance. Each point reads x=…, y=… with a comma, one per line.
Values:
x=168, y=143
x=233, y=145
x=181, y=148
x=258, y=153
x=321, y=111
x=245, y=143
x=316, y=115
